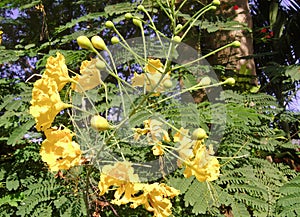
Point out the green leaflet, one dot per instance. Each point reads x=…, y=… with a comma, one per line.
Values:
x=84, y=18
x=10, y=55
x=19, y=132
x=289, y=203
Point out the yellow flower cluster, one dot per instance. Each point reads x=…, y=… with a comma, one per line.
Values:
x=152, y=79
x=202, y=165
x=155, y=134
x=192, y=152
x=155, y=197
x=57, y=150
x=46, y=102
x=197, y=159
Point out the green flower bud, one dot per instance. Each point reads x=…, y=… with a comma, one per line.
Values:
x=114, y=40
x=98, y=43
x=109, y=24
x=136, y=21
x=84, y=42
x=168, y=83
x=213, y=7
x=141, y=7
x=216, y=2
x=230, y=81
x=236, y=44
x=199, y=134
x=128, y=16
x=100, y=123
x=177, y=39
x=100, y=64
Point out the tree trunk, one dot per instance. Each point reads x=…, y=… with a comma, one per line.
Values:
x=237, y=59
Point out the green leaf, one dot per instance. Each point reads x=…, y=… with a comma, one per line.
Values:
x=10, y=55
x=273, y=13
x=73, y=22
x=119, y=8
x=19, y=132
x=12, y=182
x=12, y=199
x=28, y=46
x=239, y=209
x=124, y=7
x=6, y=100
x=30, y=5
x=189, y=80
x=293, y=72
x=182, y=184
x=138, y=118
x=198, y=196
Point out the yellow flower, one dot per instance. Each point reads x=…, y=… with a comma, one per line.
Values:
x=152, y=77
x=59, y=151
x=155, y=198
x=185, y=148
x=138, y=132
x=45, y=103
x=155, y=135
x=158, y=150
x=57, y=69
x=90, y=76
x=203, y=166
x=122, y=176
x=153, y=66
x=156, y=132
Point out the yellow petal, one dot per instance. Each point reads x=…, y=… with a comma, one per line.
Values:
x=157, y=150
x=57, y=70
x=90, y=76
x=153, y=65
x=138, y=80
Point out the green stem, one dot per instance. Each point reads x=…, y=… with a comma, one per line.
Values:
x=203, y=57
x=197, y=17
x=86, y=192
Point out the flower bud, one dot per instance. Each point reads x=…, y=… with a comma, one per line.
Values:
x=177, y=39
x=98, y=43
x=216, y=2
x=136, y=21
x=100, y=64
x=230, y=81
x=114, y=40
x=84, y=42
x=236, y=44
x=178, y=27
x=141, y=7
x=100, y=123
x=168, y=83
x=109, y=24
x=199, y=134
x=128, y=16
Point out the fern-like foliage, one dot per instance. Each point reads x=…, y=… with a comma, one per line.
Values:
x=249, y=117
x=38, y=197
x=249, y=184
x=257, y=185
x=289, y=202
